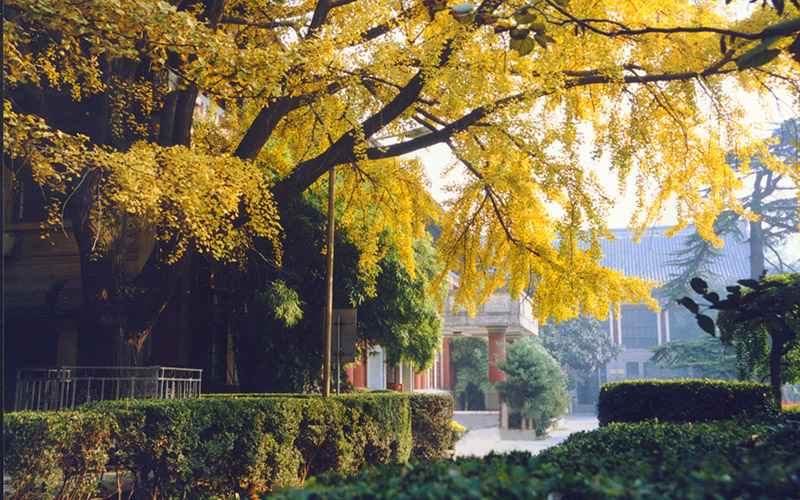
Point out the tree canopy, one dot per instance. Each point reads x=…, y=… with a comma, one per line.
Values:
x=403, y=314
x=469, y=357
x=580, y=345
x=771, y=202
x=752, y=312
x=100, y=109
x=535, y=386
x=768, y=320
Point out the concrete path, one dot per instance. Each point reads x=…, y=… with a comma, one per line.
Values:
x=481, y=440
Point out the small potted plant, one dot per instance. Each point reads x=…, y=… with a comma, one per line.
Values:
x=458, y=431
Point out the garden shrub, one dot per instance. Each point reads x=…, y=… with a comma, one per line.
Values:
x=431, y=424
x=197, y=448
x=725, y=459
x=207, y=447
x=535, y=386
x=682, y=400
x=203, y=447
x=791, y=411
x=49, y=454
x=385, y=425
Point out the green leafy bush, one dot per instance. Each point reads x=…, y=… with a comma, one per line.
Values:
x=431, y=427
x=210, y=447
x=43, y=449
x=535, y=385
x=681, y=400
x=198, y=448
x=730, y=459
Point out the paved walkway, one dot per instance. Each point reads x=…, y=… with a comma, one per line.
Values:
x=480, y=441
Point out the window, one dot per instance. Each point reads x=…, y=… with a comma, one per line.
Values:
x=31, y=203
x=632, y=370
x=639, y=328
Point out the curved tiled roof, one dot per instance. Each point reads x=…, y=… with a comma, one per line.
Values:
x=653, y=256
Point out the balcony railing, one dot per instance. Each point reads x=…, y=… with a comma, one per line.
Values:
x=69, y=386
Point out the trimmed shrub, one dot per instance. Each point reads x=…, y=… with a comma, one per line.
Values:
x=198, y=448
x=681, y=400
x=733, y=459
x=791, y=411
x=535, y=385
x=49, y=454
x=205, y=448
x=431, y=424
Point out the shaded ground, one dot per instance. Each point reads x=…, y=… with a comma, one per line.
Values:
x=481, y=439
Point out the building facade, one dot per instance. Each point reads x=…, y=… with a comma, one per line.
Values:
x=638, y=328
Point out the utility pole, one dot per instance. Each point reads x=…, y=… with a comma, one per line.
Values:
x=326, y=374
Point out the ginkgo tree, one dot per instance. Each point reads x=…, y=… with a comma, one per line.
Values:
x=99, y=109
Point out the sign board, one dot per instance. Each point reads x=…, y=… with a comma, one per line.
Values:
x=343, y=336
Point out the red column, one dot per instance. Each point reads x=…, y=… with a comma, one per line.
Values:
x=420, y=381
x=357, y=374
x=497, y=352
x=446, y=364
x=360, y=379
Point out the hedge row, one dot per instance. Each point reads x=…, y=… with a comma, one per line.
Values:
x=682, y=400
x=724, y=459
x=792, y=411
x=216, y=447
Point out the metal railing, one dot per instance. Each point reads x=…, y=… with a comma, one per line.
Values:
x=69, y=386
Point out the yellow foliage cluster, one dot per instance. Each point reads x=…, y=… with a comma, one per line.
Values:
x=658, y=107
x=192, y=197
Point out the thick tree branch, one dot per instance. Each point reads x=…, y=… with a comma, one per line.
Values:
x=784, y=29
x=473, y=117
x=342, y=151
x=238, y=21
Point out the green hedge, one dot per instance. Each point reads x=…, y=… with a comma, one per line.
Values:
x=47, y=453
x=681, y=400
x=791, y=412
x=214, y=447
x=431, y=424
x=724, y=459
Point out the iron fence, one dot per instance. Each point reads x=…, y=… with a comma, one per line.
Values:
x=69, y=386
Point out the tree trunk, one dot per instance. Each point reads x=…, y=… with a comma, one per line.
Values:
x=103, y=340
x=756, y=250
x=775, y=354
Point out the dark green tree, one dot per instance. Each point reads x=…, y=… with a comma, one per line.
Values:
x=278, y=311
x=761, y=319
x=469, y=357
x=580, y=345
x=704, y=357
x=765, y=334
x=403, y=314
x=697, y=257
x=774, y=201
x=771, y=198
x=535, y=386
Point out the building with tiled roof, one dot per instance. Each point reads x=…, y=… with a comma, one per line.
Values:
x=638, y=328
